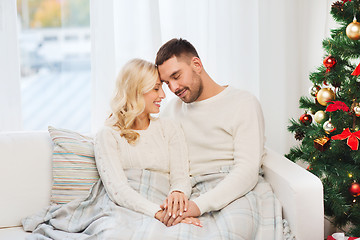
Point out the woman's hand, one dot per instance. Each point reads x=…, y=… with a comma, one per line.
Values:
x=192, y=220
x=192, y=211
x=174, y=205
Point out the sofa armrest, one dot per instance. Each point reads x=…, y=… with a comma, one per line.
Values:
x=25, y=175
x=300, y=193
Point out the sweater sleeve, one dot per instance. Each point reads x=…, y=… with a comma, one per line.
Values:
x=178, y=160
x=248, y=141
x=108, y=162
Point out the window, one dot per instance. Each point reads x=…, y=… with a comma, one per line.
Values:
x=55, y=46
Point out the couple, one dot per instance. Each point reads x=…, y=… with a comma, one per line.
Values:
x=223, y=128
x=203, y=158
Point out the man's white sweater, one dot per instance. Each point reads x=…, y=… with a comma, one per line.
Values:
x=226, y=129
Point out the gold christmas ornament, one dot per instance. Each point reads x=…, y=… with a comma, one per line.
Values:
x=320, y=116
x=353, y=30
x=324, y=95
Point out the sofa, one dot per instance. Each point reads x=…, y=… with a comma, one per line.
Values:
x=26, y=181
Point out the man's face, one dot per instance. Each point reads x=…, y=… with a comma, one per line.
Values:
x=181, y=78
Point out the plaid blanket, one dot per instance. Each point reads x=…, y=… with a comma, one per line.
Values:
x=257, y=215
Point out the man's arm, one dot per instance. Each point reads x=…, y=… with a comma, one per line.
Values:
x=248, y=139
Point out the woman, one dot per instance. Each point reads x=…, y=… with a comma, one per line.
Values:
x=132, y=139
x=141, y=161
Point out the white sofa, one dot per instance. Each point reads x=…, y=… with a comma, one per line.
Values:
x=25, y=183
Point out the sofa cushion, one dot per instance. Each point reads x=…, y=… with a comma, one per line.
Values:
x=74, y=169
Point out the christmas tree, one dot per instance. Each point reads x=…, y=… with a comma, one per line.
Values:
x=328, y=130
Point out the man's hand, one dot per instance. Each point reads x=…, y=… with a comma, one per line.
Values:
x=159, y=214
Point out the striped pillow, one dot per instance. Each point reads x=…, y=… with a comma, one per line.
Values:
x=74, y=169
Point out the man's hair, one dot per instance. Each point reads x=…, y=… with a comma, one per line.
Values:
x=177, y=47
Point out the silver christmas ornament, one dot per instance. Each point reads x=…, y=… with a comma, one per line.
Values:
x=357, y=110
x=328, y=126
x=314, y=90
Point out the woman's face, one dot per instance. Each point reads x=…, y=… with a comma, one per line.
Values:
x=153, y=98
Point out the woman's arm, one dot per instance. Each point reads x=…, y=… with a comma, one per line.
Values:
x=178, y=160
x=108, y=162
x=180, y=187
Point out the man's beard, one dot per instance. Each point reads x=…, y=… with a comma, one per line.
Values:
x=196, y=90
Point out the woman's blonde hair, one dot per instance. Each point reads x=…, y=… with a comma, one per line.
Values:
x=136, y=78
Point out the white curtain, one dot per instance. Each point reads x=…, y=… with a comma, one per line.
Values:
x=225, y=33
x=267, y=47
x=226, y=40
x=10, y=104
x=120, y=30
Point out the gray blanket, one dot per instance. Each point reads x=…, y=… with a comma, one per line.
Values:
x=257, y=215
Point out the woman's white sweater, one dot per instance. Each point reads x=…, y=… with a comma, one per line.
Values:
x=161, y=147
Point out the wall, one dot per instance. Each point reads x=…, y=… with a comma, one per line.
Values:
x=291, y=34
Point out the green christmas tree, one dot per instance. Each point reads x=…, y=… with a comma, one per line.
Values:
x=329, y=128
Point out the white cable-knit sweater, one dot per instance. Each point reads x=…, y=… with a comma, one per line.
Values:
x=227, y=129
x=161, y=147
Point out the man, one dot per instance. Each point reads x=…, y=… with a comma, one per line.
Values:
x=223, y=126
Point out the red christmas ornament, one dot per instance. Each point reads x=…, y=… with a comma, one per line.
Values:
x=354, y=189
x=306, y=119
x=329, y=62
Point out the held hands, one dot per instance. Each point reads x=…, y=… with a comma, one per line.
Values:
x=188, y=220
x=176, y=209
x=190, y=216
